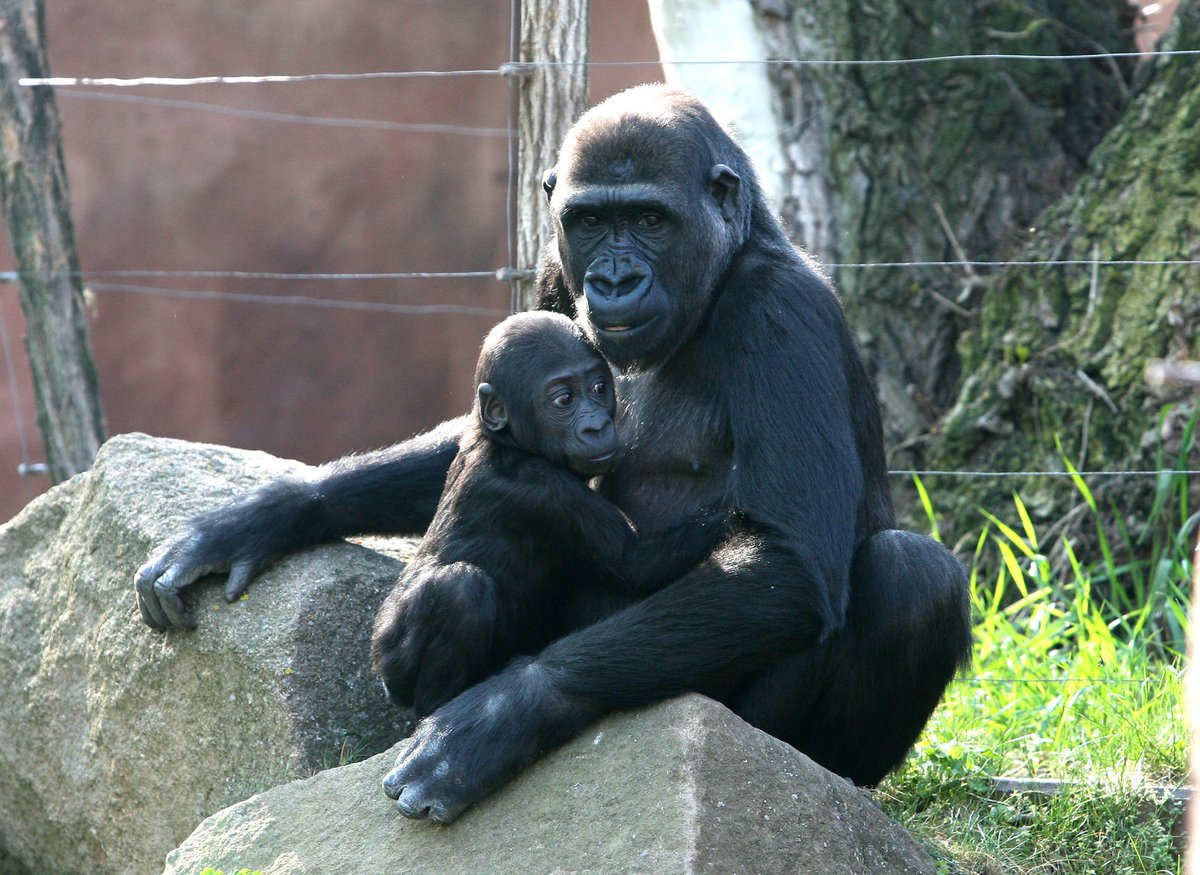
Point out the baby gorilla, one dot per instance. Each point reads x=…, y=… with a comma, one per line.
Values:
x=518, y=526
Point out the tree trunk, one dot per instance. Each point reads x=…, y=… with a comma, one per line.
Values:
x=946, y=161
x=549, y=99
x=1059, y=354
x=929, y=162
x=33, y=183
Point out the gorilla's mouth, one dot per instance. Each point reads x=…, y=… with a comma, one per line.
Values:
x=623, y=327
x=627, y=342
x=595, y=466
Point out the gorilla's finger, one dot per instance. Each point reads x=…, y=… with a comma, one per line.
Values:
x=168, y=591
x=393, y=783
x=413, y=803
x=178, y=617
x=240, y=576
x=147, y=602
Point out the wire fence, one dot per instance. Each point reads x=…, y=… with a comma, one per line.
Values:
x=78, y=88
x=512, y=68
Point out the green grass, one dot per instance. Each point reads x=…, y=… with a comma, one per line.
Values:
x=1076, y=677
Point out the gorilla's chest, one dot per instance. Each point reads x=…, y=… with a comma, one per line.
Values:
x=676, y=449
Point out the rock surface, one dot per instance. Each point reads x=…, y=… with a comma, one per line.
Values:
x=682, y=787
x=118, y=740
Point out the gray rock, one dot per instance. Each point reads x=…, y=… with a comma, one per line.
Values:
x=118, y=740
x=682, y=787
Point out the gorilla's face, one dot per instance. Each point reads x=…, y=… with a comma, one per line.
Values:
x=544, y=389
x=646, y=226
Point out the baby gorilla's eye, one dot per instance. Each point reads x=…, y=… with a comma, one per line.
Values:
x=563, y=399
x=600, y=387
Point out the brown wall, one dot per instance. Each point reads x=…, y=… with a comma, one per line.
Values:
x=174, y=188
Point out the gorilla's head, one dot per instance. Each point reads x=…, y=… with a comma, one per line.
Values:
x=651, y=199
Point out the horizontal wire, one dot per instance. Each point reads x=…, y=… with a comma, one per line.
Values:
x=118, y=82
x=1054, y=262
x=1040, y=680
x=271, y=275
x=327, y=303
x=292, y=118
x=13, y=276
x=893, y=62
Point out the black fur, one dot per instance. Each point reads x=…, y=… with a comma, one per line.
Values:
x=517, y=526
x=739, y=387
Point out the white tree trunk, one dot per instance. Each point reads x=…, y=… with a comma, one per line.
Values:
x=776, y=113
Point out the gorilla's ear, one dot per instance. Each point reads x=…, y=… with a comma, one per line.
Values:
x=549, y=180
x=726, y=188
x=491, y=408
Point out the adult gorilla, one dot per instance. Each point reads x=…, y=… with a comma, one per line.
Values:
x=815, y=620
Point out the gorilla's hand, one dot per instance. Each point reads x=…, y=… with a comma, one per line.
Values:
x=242, y=538
x=479, y=740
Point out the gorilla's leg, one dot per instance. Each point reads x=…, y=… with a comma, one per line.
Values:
x=857, y=703
x=434, y=635
x=715, y=621
x=444, y=628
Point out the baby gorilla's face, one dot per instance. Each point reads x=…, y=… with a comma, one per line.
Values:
x=576, y=405
x=546, y=390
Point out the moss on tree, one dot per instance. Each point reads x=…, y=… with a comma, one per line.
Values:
x=1056, y=355
x=936, y=161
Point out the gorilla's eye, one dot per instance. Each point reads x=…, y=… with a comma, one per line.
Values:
x=562, y=399
x=589, y=220
x=650, y=220
x=600, y=387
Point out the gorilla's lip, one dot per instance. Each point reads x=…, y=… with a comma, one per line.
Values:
x=623, y=327
x=595, y=466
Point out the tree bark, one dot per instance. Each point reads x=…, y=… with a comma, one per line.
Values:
x=33, y=183
x=549, y=99
x=1058, y=355
x=929, y=162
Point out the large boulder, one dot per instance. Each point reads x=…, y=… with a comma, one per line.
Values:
x=118, y=740
x=682, y=787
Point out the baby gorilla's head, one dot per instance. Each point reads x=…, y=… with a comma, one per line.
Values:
x=542, y=387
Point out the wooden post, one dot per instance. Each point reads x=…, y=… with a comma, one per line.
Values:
x=33, y=184
x=549, y=99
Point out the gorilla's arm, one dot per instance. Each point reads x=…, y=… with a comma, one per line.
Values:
x=724, y=619
x=550, y=498
x=647, y=562
x=394, y=490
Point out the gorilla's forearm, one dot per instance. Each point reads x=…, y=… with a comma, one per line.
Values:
x=390, y=491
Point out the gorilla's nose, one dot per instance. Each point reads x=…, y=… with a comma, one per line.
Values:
x=614, y=277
